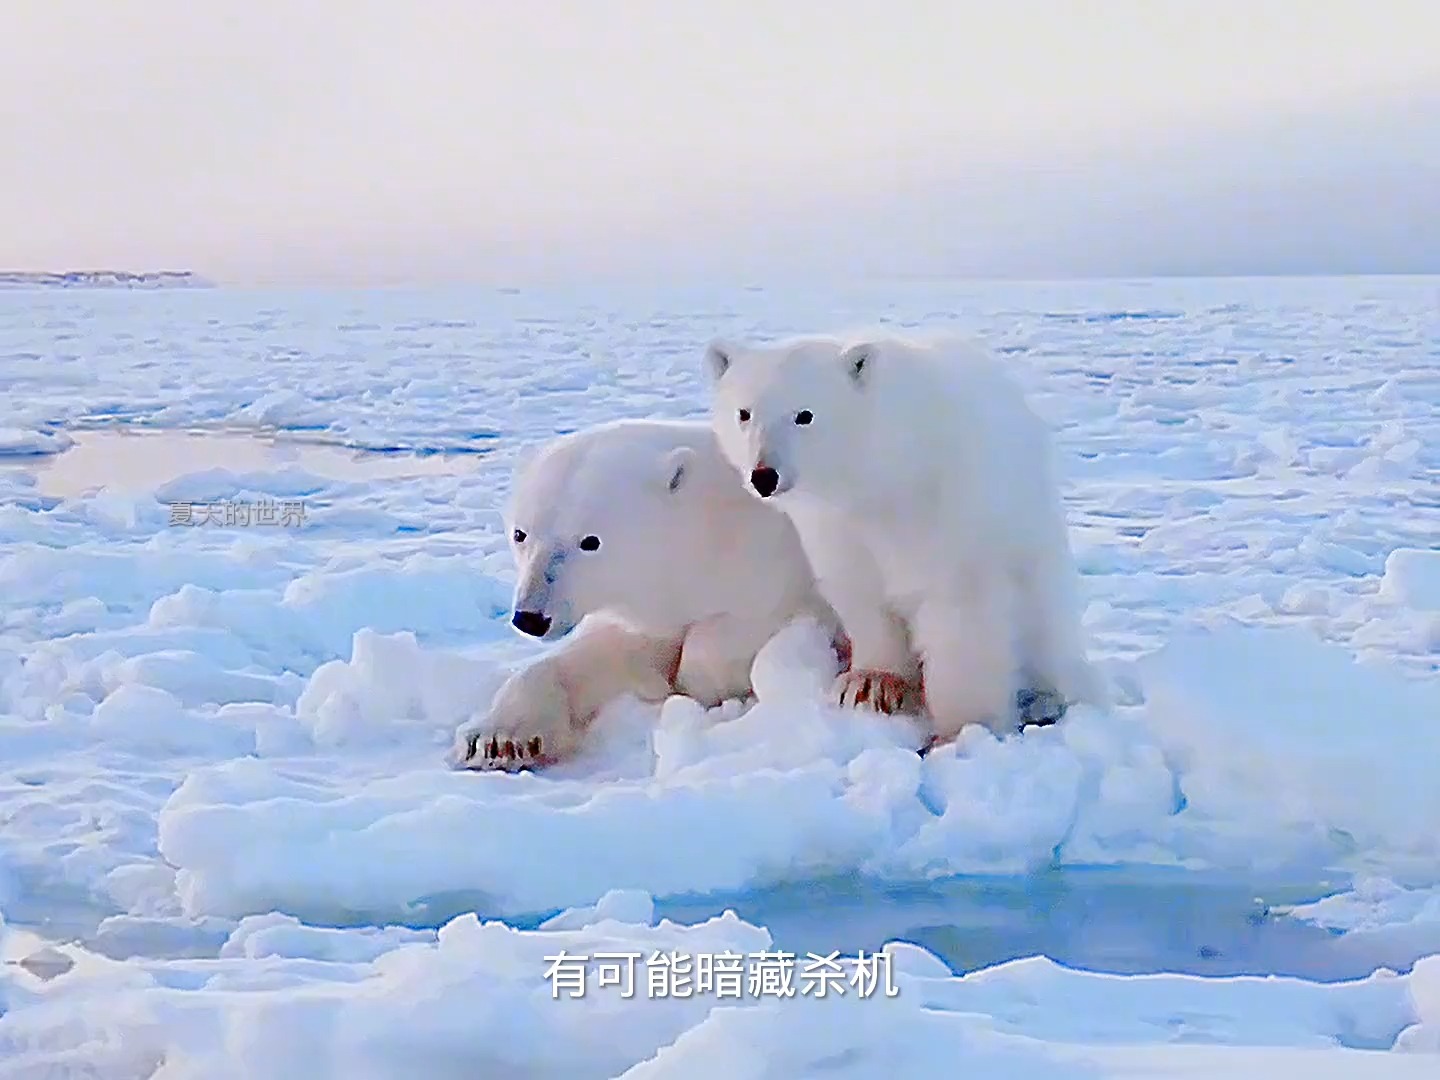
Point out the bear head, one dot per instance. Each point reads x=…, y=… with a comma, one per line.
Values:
x=790, y=416
x=597, y=522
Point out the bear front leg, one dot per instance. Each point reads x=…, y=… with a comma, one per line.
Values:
x=530, y=724
x=541, y=714
x=881, y=670
x=717, y=657
x=969, y=657
x=882, y=674
x=1052, y=637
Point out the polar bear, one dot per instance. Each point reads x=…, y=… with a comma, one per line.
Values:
x=926, y=494
x=636, y=542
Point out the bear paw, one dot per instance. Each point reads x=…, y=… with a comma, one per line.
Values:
x=530, y=724
x=1034, y=707
x=1040, y=707
x=488, y=752
x=880, y=691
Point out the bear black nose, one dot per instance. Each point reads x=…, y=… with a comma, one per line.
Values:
x=765, y=481
x=531, y=622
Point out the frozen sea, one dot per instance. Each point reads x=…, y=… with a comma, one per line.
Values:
x=230, y=846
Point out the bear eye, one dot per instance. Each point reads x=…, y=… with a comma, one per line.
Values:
x=590, y=543
x=804, y=416
x=744, y=416
x=518, y=536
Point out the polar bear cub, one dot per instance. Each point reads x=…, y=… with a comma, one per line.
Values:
x=926, y=495
x=636, y=542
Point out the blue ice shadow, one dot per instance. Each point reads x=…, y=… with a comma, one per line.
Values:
x=1115, y=921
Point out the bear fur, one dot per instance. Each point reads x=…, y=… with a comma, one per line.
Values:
x=925, y=491
x=639, y=550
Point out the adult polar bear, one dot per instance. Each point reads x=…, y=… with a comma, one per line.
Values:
x=638, y=536
x=925, y=492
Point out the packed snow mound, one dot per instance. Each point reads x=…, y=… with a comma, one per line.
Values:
x=1251, y=771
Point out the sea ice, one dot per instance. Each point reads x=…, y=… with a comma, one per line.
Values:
x=230, y=845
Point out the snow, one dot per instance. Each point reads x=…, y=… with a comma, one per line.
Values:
x=17, y=442
x=231, y=844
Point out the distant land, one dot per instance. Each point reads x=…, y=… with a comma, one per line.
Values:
x=102, y=279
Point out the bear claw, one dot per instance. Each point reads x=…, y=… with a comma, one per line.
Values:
x=509, y=755
x=881, y=691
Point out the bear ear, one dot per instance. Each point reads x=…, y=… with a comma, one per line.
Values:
x=718, y=355
x=676, y=468
x=858, y=361
x=525, y=457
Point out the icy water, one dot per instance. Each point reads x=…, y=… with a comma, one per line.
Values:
x=1101, y=920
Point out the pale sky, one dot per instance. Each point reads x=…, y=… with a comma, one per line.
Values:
x=355, y=141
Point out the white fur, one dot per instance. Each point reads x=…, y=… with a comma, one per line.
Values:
x=925, y=491
x=692, y=575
